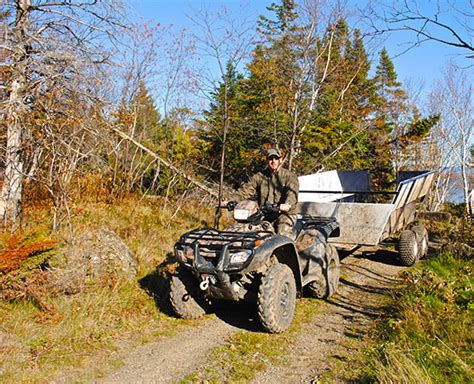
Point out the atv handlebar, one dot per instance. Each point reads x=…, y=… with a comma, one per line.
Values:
x=267, y=208
x=271, y=209
x=231, y=205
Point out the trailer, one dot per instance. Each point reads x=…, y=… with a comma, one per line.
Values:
x=347, y=196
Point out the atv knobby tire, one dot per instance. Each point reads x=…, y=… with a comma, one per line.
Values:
x=185, y=297
x=318, y=288
x=334, y=269
x=408, y=248
x=326, y=285
x=422, y=237
x=276, y=298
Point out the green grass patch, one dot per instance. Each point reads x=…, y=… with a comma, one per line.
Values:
x=428, y=337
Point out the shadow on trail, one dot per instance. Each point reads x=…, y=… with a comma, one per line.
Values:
x=371, y=274
x=360, y=298
x=369, y=311
x=384, y=256
x=242, y=315
x=363, y=287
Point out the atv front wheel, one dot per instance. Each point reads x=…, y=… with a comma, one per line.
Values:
x=277, y=298
x=186, y=299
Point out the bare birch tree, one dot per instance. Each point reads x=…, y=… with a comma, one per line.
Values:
x=444, y=22
x=313, y=66
x=452, y=138
x=56, y=51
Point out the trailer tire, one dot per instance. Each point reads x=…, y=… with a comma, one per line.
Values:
x=422, y=235
x=408, y=248
x=276, y=298
x=185, y=298
x=326, y=286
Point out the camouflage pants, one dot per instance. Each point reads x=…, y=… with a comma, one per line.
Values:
x=284, y=225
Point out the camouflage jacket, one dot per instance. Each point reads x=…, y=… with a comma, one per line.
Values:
x=281, y=187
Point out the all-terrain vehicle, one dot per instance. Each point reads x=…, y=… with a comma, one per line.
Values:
x=249, y=261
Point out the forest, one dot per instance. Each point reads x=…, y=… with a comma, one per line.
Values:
x=92, y=102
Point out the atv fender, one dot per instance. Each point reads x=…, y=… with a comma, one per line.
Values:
x=283, y=248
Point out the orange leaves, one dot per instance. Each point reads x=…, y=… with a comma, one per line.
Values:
x=16, y=251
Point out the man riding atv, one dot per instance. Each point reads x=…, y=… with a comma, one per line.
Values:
x=273, y=185
x=251, y=261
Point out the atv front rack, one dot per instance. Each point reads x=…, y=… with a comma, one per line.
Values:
x=211, y=241
x=209, y=249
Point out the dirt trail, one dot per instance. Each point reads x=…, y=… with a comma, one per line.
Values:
x=331, y=335
x=169, y=360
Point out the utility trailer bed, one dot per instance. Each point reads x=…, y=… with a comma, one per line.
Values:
x=338, y=194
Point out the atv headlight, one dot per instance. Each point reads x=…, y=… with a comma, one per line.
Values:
x=239, y=257
x=241, y=214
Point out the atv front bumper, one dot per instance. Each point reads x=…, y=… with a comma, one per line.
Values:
x=217, y=257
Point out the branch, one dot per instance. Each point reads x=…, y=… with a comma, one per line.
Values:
x=166, y=163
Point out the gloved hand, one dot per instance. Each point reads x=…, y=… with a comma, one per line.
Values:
x=285, y=207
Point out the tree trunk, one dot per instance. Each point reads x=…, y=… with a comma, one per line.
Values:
x=10, y=207
x=225, y=127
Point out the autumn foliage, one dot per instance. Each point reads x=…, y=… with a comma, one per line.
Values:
x=16, y=251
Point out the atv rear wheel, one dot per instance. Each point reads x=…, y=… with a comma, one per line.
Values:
x=186, y=299
x=408, y=248
x=318, y=288
x=334, y=269
x=326, y=285
x=277, y=298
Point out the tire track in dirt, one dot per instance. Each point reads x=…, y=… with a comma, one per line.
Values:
x=331, y=335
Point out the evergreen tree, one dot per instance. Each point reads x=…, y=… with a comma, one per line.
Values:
x=242, y=136
x=336, y=137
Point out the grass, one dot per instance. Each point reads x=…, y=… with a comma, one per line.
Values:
x=46, y=336
x=428, y=337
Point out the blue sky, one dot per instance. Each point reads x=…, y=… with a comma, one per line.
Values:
x=420, y=65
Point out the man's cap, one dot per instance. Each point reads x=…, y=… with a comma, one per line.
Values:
x=273, y=152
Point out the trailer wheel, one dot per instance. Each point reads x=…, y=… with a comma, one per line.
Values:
x=185, y=297
x=408, y=248
x=277, y=298
x=326, y=286
x=422, y=235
